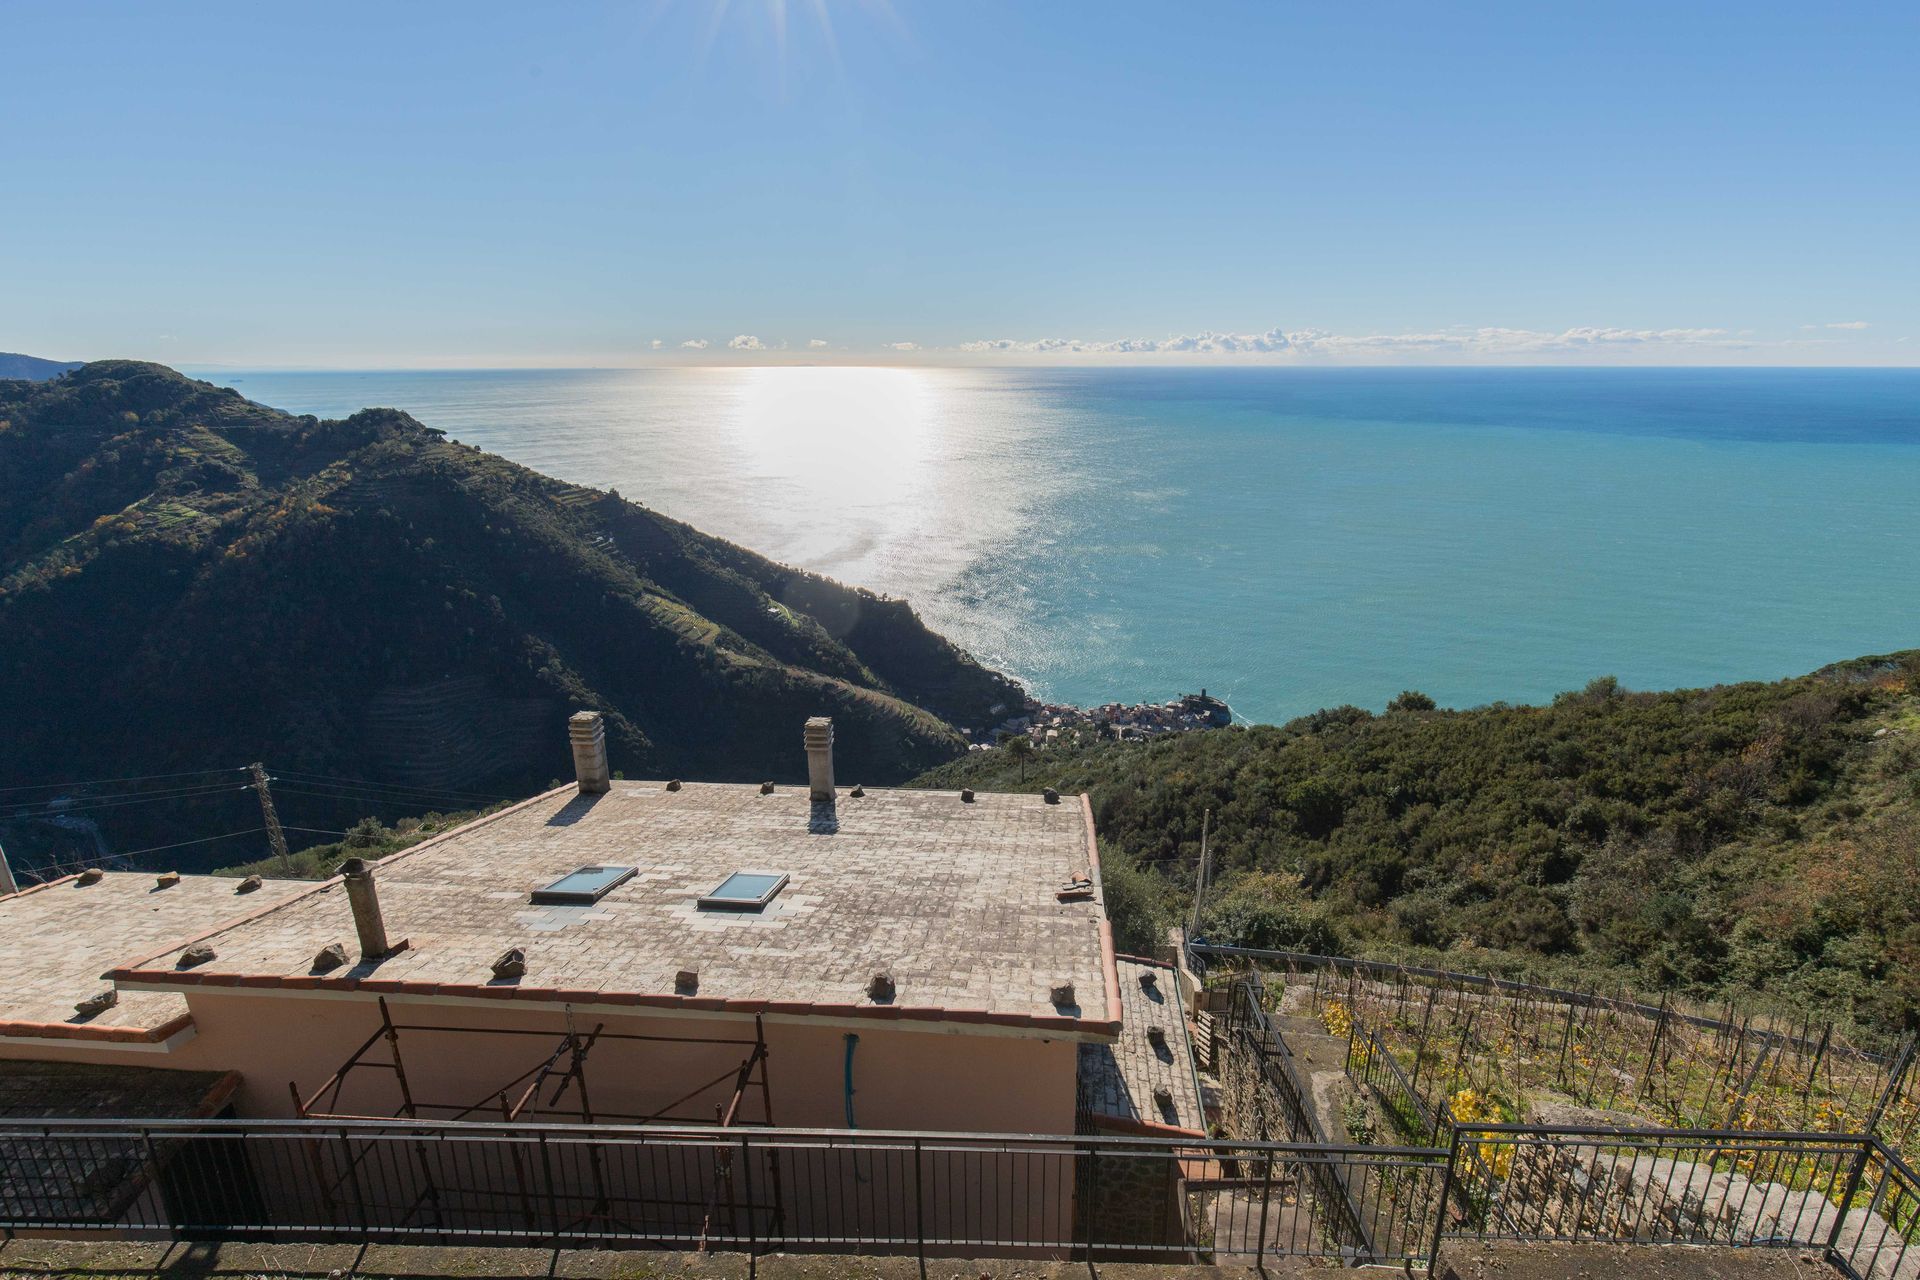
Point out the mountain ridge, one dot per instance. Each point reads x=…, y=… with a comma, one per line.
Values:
x=33, y=368
x=187, y=577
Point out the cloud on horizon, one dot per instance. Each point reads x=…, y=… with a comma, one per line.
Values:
x=695, y=344
x=745, y=342
x=1489, y=341
x=816, y=343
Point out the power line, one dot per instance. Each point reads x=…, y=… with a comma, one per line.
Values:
x=316, y=778
x=39, y=809
x=390, y=801
x=62, y=868
x=317, y=831
x=370, y=788
x=101, y=782
x=161, y=848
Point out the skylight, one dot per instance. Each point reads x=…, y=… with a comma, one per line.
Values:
x=583, y=886
x=745, y=891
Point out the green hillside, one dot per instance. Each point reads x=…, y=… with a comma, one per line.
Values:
x=190, y=579
x=1751, y=836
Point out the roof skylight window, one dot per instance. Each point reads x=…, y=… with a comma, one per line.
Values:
x=745, y=891
x=583, y=886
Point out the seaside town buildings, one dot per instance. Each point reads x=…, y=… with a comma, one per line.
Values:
x=1046, y=724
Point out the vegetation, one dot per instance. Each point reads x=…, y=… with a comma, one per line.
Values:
x=368, y=838
x=1757, y=836
x=188, y=579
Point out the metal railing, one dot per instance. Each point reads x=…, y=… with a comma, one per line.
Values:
x=938, y=1194
x=1848, y=1196
x=1253, y=1034
x=752, y=1191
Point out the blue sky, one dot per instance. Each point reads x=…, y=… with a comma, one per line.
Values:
x=346, y=185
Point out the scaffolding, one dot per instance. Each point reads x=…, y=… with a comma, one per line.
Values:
x=553, y=1089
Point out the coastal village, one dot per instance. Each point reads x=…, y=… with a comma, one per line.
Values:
x=1046, y=724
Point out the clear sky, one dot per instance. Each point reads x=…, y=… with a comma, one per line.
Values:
x=346, y=185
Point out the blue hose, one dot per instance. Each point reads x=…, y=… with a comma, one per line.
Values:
x=852, y=1040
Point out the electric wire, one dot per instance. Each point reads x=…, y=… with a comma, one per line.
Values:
x=101, y=782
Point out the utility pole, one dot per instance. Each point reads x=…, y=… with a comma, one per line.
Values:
x=7, y=885
x=275, y=836
x=1205, y=870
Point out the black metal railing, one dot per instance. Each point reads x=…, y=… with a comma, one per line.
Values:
x=704, y=1188
x=935, y=1194
x=1848, y=1196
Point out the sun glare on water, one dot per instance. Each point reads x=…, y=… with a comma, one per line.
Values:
x=851, y=446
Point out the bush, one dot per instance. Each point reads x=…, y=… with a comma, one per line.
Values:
x=1273, y=913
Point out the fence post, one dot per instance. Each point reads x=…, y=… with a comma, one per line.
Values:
x=1440, y=1206
x=1093, y=1195
x=1266, y=1194
x=753, y=1236
x=553, y=1205
x=919, y=1212
x=152, y=1163
x=1846, y=1199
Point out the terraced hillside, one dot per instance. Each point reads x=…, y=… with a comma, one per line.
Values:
x=188, y=578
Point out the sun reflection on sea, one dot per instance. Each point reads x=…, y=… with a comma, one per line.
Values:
x=850, y=450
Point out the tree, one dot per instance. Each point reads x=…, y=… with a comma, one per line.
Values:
x=1020, y=748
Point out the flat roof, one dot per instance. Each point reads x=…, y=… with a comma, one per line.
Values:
x=1119, y=1082
x=958, y=901
x=61, y=937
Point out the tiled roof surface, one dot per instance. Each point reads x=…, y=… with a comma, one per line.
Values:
x=1117, y=1081
x=59, y=938
x=957, y=901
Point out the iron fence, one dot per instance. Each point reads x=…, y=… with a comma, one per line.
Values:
x=1848, y=1196
x=752, y=1191
x=1663, y=1065
x=936, y=1194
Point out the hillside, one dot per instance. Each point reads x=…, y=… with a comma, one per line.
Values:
x=1747, y=837
x=190, y=579
x=32, y=368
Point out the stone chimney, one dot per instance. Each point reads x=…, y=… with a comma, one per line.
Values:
x=819, y=739
x=365, y=901
x=588, y=733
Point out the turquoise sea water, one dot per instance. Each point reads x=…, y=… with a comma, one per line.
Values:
x=1289, y=538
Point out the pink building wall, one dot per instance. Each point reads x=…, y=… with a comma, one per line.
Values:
x=972, y=1081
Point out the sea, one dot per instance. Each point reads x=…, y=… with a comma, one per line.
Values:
x=1287, y=538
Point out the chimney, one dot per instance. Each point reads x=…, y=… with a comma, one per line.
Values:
x=819, y=739
x=365, y=901
x=588, y=733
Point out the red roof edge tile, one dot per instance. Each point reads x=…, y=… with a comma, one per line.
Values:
x=97, y=1035
x=178, y=978
x=36, y=888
